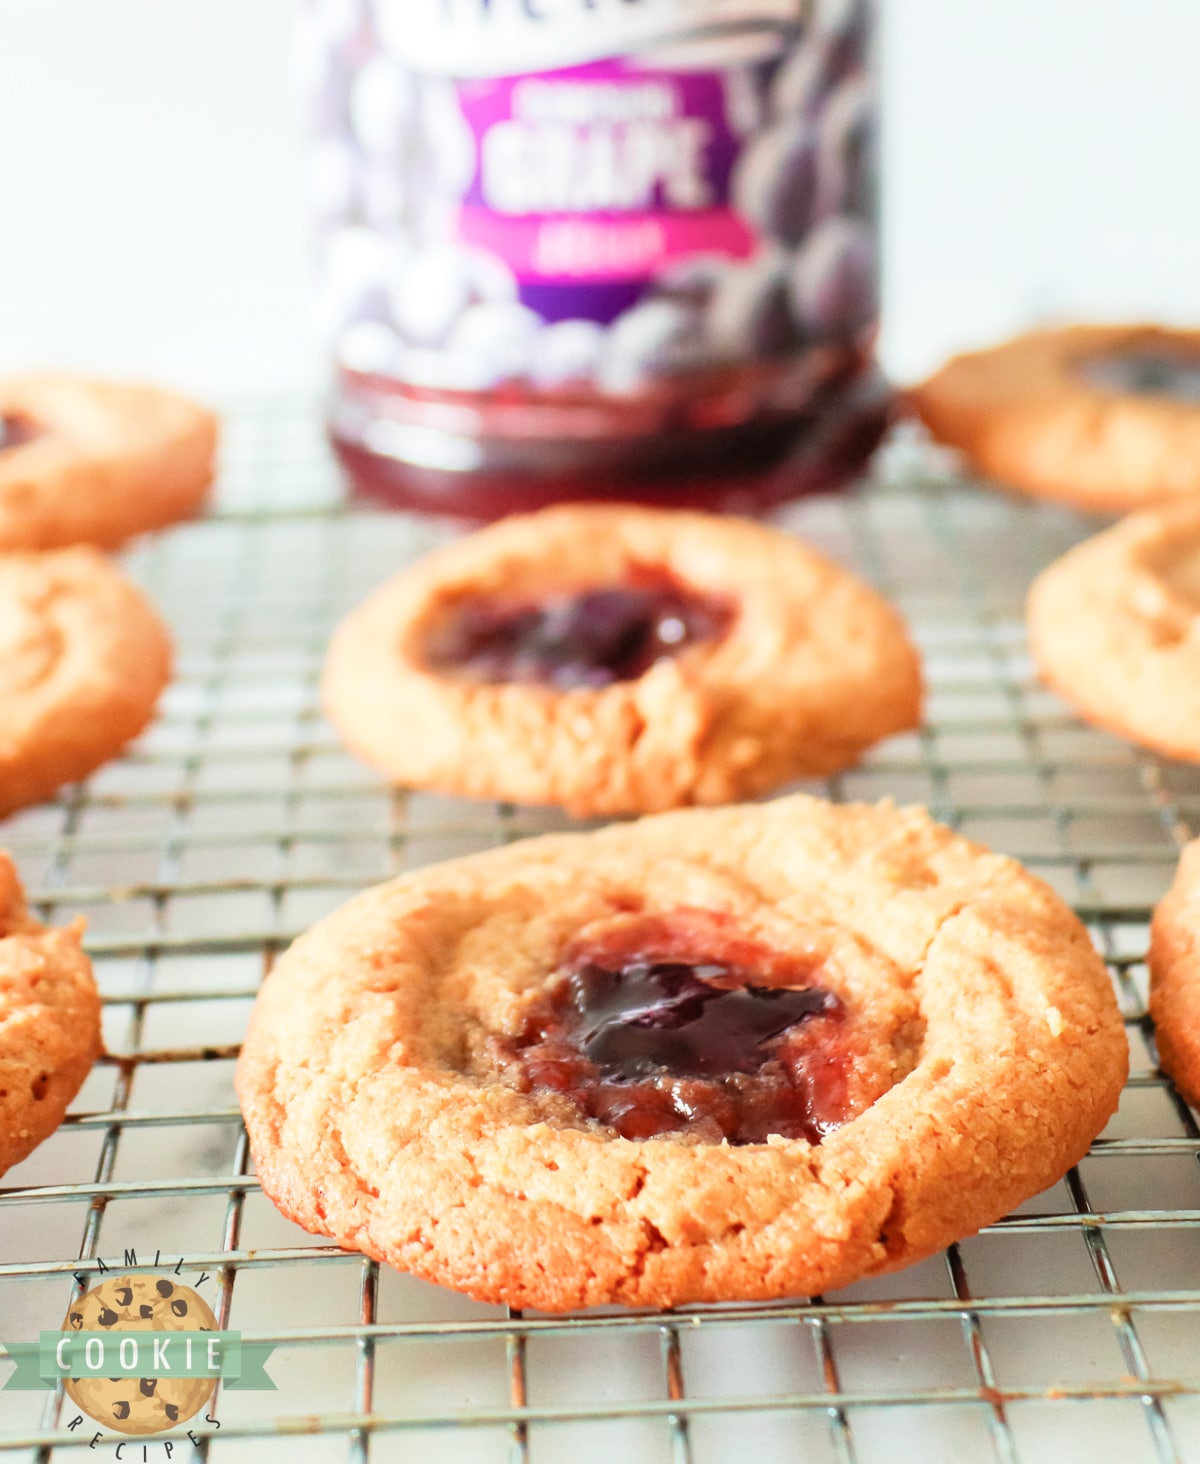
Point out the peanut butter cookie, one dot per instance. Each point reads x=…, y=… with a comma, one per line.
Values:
x=96, y=462
x=83, y=658
x=1175, y=976
x=714, y=1055
x=1103, y=417
x=1114, y=626
x=49, y=1022
x=620, y=660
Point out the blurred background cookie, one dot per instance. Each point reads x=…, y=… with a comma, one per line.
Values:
x=140, y=1304
x=83, y=658
x=1114, y=627
x=1175, y=976
x=1103, y=417
x=96, y=462
x=619, y=660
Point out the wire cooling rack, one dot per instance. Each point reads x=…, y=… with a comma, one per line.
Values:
x=1066, y=1332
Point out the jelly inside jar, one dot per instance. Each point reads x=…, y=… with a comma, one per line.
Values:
x=652, y=1046
x=1161, y=372
x=592, y=638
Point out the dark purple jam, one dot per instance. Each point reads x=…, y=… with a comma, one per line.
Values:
x=665, y=1016
x=1148, y=372
x=15, y=431
x=648, y=1046
x=589, y=639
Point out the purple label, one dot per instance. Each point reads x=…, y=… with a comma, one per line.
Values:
x=609, y=136
x=687, y=203
x=589, y=181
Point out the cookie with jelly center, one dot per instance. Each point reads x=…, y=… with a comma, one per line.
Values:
x=590, y=638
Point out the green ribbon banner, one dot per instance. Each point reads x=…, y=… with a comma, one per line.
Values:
x=39, y=1365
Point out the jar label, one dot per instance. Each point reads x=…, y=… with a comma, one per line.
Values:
x=591, y=181
x=689, y=185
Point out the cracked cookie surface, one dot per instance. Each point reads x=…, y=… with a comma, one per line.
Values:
x=783, y=666
x=1106, y=418
x=1175, y=976
x=394, y=1100
x=96, y=462
x=1114, y=627
x=49, y=1022
x=83, y=658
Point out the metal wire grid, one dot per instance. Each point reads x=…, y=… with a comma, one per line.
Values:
x=1066, y=1331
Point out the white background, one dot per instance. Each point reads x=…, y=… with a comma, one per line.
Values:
x=1040, y=162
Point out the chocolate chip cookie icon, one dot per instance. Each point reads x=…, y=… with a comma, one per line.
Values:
x=132, y=1304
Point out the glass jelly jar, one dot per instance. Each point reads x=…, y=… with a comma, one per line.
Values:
x=596, y=248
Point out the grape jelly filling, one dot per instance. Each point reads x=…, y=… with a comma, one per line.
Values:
x=667, y=1014
x=1162, y=373
x=592, y=638
x=650, y=1046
